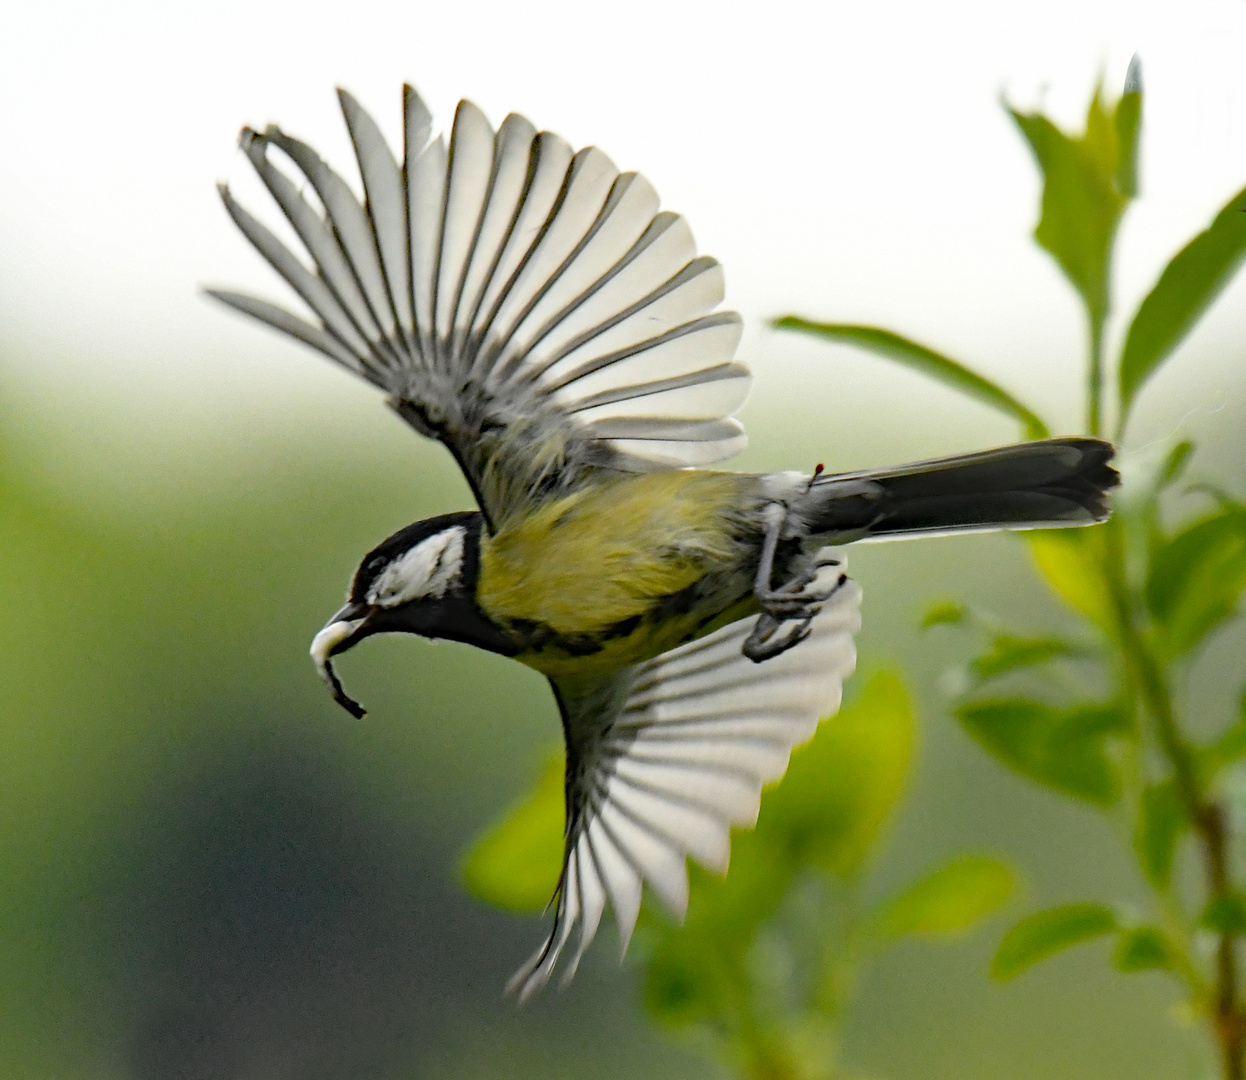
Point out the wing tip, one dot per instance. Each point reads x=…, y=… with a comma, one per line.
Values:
x=467, y=110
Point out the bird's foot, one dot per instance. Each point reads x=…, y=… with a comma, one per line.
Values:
x=762, y=644
x=795, y=598
x=789, y=611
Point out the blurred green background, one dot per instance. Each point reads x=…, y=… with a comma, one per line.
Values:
x=208, y=870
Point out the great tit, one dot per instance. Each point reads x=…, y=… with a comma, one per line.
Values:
x=530, y=307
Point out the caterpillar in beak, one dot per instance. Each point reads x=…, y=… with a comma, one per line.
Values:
x=337, y=634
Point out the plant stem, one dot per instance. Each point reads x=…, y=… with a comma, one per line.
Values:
x=1230, y=1023
x=1094, y=375
x=1146, y=673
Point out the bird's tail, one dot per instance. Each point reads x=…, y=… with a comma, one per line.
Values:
x=1035, y=485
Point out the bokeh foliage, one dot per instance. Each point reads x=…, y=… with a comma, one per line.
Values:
x=207, y=869
x=1097, y=714
x=761, y=971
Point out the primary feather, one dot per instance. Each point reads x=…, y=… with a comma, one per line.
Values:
x=666, y=756
x=529, y=306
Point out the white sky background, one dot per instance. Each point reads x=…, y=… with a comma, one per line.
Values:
x=843, y=160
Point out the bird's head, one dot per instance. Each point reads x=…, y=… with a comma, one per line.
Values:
x=420, y=581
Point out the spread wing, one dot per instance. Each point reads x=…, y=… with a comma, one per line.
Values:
x=527, y=305
x=664, y=758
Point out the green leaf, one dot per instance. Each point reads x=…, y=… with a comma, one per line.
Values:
x=923, y=360
x=1161, y=821
x=1045, y=933
x=697, y=970
x=1087, y=183
x=1061, y=749
x=686, y=981
x=1190, y=282
x=824, y=816
x=843, y=786
x=1144, y=948
x=1128, y=121
x=953, y=898
x=1225, y=914
x=515, y=863
x=1196, y=579
x=1070, y=561
x=1174, y=464
x=1009, y=653
x=944, y=613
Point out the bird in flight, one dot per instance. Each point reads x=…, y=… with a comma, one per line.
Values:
x=531, y=307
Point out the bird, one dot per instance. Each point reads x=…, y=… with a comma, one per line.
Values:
x=534, y=309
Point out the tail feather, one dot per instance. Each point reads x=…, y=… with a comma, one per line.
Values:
x=1036, y=485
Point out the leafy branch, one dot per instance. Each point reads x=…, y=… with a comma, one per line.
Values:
x=1148, y=597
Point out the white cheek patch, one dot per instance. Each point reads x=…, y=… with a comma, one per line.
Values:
x=427, y=570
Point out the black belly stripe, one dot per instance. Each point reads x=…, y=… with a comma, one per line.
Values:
x=623, y=628
x=539, y=636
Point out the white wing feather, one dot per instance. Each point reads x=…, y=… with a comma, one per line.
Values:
x=506, y=270
x=699, y=731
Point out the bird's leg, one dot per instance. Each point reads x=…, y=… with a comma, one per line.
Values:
x=792, y=602
x=793, y=599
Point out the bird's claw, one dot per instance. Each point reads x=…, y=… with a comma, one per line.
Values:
x=761, y=644
x=795, y=599
x=794, y=603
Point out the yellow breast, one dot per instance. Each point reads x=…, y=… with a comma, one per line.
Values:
x=603, y=557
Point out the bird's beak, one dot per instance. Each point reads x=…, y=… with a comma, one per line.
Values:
x=338, y=635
